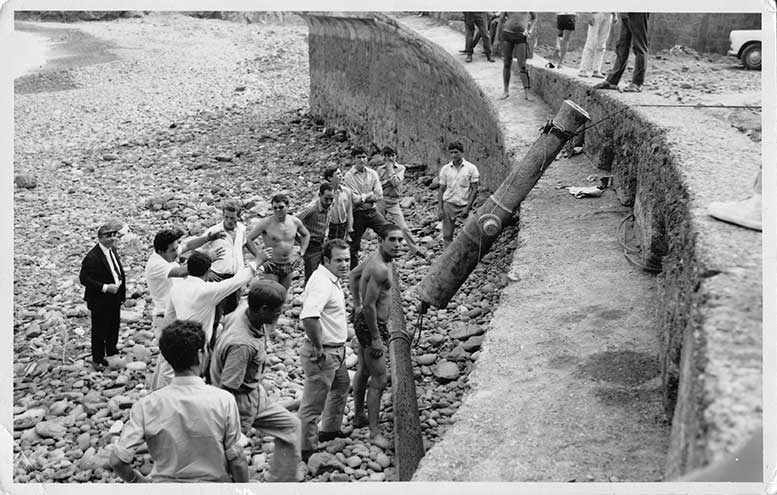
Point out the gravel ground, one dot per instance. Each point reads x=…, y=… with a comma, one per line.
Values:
x=188, y=112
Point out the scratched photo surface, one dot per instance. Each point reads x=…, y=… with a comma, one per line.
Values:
x=568, y=290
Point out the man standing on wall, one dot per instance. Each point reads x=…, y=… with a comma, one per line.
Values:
x=513, y=30
x=315, y=218
x=458, y=189
x=370, y=284
x=365, y=184
x=105, y=290
x=479, y=20
x=634, y=29
x=391, y=176
x=599, y=25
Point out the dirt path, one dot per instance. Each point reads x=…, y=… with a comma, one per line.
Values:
x=566, y=387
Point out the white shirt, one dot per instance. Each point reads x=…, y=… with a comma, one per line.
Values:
x=323, y=298
x=158, y=281
x=111, y=260
x=192, y=298
x=233, y=248
x=457, y=182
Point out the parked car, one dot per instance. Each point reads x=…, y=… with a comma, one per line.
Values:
x=746, y=46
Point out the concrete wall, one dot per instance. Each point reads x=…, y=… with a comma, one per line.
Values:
x=702, y=32
x=710, y=283
x=386, y=85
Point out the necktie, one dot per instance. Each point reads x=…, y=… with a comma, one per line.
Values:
x=115, y=265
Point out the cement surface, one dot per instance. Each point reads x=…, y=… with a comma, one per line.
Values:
x=567, y=386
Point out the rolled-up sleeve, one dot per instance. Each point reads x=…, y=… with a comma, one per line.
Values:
x=235, y=365
x=232, y=432
x=317, y=297
x=132, y=436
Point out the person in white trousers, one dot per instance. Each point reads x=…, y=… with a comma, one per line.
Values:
x=599, y=25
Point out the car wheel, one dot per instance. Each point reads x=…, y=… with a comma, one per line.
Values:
x=751, y=57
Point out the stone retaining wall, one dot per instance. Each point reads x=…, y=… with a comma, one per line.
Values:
x=386, y=85
x=711, y=278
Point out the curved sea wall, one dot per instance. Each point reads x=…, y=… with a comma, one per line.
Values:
x=384, y=84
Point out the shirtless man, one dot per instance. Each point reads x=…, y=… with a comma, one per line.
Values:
x=370, y=284
x=278, y=234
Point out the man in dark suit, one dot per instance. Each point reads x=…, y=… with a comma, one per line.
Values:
x=103, y=277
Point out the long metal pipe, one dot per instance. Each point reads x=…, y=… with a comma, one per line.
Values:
x=408, y=442
x=475, y=239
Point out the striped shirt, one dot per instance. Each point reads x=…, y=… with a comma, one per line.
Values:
x=315, y=218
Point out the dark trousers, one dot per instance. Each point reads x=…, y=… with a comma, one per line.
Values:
x=633, y=35
x=105, y=330
x=312, y=257
x=361, y=220
x=338, y=231
x=471, y=21
x=225, y=306
x=493, y=22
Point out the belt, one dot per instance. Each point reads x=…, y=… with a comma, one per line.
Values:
x=334, y=346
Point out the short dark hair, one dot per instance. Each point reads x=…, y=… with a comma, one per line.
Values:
x=456, y=145
x=388, y=150
x=179, y=343
x=280, y=197
x=198, y=264
x=324, y=187
x=390, y=227
x=326, y=251
x=266, y=293
x=357, y=150
x=164, y=238
x=230, y=205
x=328, y=173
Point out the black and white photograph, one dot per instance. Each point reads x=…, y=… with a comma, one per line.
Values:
x=287, y=246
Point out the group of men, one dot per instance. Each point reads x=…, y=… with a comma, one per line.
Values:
x=514, y=33
x=206, y=388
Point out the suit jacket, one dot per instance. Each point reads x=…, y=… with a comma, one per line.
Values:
x=95, y=271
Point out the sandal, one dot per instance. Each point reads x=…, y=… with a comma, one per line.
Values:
x=632, y=88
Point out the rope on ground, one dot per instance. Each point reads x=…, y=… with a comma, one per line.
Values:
x=660, y=105
x=629, y=252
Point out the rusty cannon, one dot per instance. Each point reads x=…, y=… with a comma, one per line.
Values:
x=451, y=269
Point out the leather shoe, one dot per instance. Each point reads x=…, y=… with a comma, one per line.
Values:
x=100, y=365
x=325, y=436
x=468, y=58
x=490, y=58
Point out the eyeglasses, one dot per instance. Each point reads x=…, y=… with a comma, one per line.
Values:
x=112, y=234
